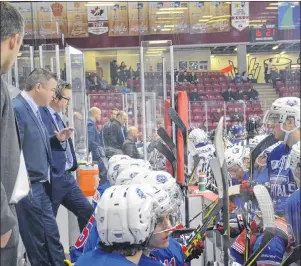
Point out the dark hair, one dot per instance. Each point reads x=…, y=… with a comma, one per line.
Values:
x=61, y=87
x=243, y=73
x=12, y=21
x=38, y=75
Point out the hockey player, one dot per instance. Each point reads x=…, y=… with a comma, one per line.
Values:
x=284, y=120
x=126, y=219
x=293, y=202
x=238, y=135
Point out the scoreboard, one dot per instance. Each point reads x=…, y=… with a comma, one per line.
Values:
x=263, y=33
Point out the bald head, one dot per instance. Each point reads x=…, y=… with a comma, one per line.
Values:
x=133, y=133
x=95, y=114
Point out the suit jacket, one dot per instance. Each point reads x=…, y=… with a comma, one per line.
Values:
x=59, y=156
x=94, y=140
x=36, y=149
x=10, y=161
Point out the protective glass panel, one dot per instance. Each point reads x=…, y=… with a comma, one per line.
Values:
x=49, y=57
x=77, y=111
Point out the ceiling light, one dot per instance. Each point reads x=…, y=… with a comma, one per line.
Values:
x=169, y=26
x=157, y=49
x=165, y=29
x=173, y=8
x=19, y=54
x=235, y=49
x=168, y=12
x=275, y=47
x=158, y=42
x=272, y=7
x=203, y=20
x=273, y=4
x=207, y=16
x=212, y=56
x=248, y=54
x=283, y=52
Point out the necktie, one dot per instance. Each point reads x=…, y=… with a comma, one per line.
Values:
x=61, y=126
x=42, y=125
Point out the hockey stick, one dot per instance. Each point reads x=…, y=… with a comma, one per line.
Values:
x=264, y=144
x=174, y=116
x=167, y=154
x=167, y=139
x=269, y=228
x=293, y=256
x=219, y=147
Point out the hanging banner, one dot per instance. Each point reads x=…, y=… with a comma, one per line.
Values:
x=118, y=19
x=30, y=18
x=52, y=19
x=138, y=18
x=97, y=19
x=168, y=17
x=77, y=20
x=206, y=17
x=240, y=15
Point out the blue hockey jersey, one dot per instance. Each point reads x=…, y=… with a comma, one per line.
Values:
x=147, y=261
x=280, y=178
x=261, y=177
x=100, y=258
x=171, y=256
x=293, y=215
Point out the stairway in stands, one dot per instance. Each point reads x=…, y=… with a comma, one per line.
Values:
x=267, y=95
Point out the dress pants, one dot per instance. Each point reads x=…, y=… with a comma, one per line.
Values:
x=65, y=191
x=38, y=228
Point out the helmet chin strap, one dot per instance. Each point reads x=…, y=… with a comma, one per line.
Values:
x=287, y=133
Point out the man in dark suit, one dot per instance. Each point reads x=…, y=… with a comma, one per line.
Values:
x=12, y=32
x=38, y=227
x=94, y=146
x=64, y=188
x=228, y=95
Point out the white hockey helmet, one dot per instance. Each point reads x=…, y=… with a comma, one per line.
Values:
x=118, y=157
x=166, y=180
x=117, y=167
x=238, y=155
x=256, y=140
x=261, y=159
x=283, y=109
x=125, y=216
x=295, y=162
x=198, y=136
x=126, y=175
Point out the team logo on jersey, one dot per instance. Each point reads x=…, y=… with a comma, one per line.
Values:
x=132, y=175
x=96, y=196
x=291, y=102
x=235, y=150
x=140, y=193
x=161, y=179
x=102, y=219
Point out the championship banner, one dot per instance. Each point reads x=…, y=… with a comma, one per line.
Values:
x=206, y=17
x=138, y=18
x=52, y=19
x=168, y=17
x=240, y=15
x=98, y=19
x=118, y=19
x=77, y=20
x=28, y=11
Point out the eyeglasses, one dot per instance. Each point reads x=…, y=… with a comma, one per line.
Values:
x=67, y=99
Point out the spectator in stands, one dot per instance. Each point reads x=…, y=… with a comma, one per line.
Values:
x=193, y=77
x=275, y=76
x=106, y=128
x=252, y=94
x=239, y=96
x=244, y=77
x=116, y=134
x=130, y=109
x=183, y=77
x=217, y=115
x=228, y=95
x=237, y=78
x=236, y=116
x=268, y=70
x=122, y=74
x=194, y=96
x=113, y=72
x=129, y=145
x=176, y=76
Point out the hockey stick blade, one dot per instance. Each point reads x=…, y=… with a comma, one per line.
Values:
x=268, y=217
x=167, y=139
x=174, y=116
x=293, y=256
x=167, y=154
